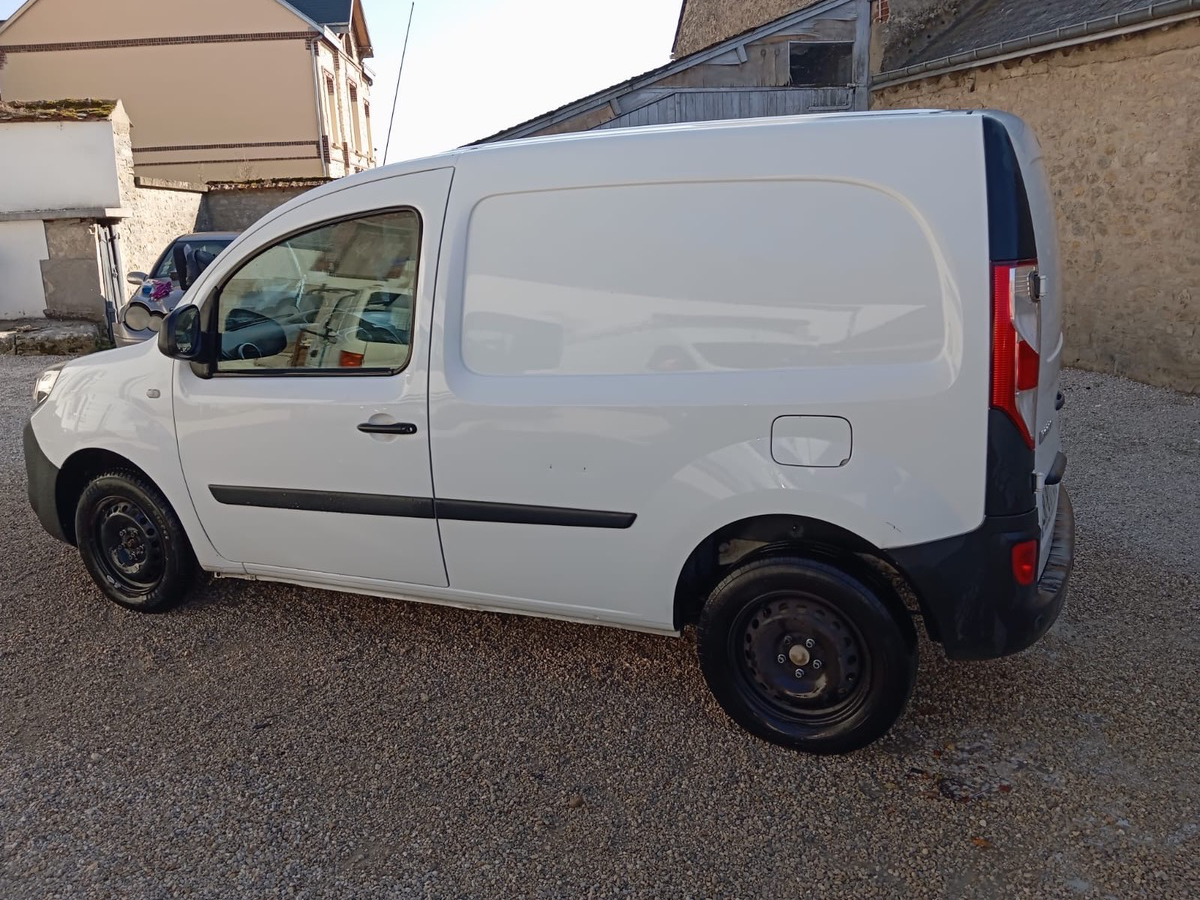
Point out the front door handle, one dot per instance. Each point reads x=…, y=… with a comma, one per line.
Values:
x=393, y=428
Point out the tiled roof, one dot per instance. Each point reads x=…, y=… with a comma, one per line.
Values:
x=325, y=12
x=990, y=22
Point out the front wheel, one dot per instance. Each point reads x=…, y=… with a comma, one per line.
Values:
x=805, y=655
x=133, y=544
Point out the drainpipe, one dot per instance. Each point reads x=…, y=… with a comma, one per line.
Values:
x=319, y=93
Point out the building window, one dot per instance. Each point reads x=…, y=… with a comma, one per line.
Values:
x=334, y=119
x=821, y=64
x=356, y=140
x=370, y=150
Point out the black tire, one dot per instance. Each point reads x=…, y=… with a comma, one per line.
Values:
x=849, y=659
x=133, y=544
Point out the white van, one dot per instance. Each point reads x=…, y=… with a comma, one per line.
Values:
x=793, y=381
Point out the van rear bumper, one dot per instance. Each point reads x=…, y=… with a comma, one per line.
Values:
x=971, y=603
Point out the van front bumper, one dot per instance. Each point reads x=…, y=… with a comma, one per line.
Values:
x=971, y=602
x=42, y=476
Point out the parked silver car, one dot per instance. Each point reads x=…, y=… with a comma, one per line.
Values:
x=159, y=291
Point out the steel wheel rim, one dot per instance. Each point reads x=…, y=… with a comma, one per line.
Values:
x=799, y=659
x=128, y=546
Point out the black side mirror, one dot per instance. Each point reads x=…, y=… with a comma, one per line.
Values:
x=181, y=335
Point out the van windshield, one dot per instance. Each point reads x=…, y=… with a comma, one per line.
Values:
x=166, y=265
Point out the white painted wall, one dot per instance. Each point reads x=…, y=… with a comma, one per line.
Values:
x=22, y=248
x=57, y=165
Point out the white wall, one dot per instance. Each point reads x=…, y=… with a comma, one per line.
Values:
x=22, y=248
x=57, y=165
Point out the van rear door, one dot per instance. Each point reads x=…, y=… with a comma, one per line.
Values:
x=1037, y=288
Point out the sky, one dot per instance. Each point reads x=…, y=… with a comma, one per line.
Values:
x=475, y=67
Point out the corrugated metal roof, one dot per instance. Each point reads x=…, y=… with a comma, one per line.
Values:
x=991, y=22
x=325, y=12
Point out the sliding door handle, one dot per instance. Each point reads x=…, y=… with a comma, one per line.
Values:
x=393, y=428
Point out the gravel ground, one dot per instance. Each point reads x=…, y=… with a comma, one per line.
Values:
x=271, y=741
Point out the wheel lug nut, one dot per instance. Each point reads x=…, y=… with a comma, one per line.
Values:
x=817, y=664
x=810, y=643
x=799, y=673
x=787, y=640
x=781, y=659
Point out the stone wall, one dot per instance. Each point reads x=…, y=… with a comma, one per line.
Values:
x=706, y=22
x=71, y=276
x=160, y=214
x=1119, y=121
x=238, y=206
x=907, y=28
x=159, y=211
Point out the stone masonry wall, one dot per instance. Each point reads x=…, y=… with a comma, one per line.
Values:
x=71, y=276
x=236, y=209
x=706, y=22
x=159, y=216
x=902, y=28
x=1119, y=121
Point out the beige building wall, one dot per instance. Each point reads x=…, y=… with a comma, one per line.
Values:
x=89, y=20
x=204, y=108
x=177, y=98
x=1120, y=123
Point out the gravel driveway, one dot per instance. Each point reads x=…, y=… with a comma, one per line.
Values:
x=270, y=741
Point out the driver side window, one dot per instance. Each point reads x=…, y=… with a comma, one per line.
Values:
x=339, y=297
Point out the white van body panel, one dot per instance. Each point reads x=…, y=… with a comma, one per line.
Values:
x=704, y=237
x=697, y=283
x=121, y=401
x=300, y=432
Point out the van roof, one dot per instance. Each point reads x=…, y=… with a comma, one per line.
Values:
x=615, y=135
x=639, y=132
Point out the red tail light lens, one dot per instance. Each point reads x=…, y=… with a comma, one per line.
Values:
x=348, y=360
x=1015, y=361
x=1024, y=562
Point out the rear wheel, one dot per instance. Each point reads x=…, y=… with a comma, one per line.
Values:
x=805, y=655
x=133, y=544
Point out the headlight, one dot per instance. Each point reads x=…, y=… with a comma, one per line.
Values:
x=137, y=317
x=45, y=384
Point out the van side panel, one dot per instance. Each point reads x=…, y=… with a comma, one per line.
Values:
x=624, y=343
x=714, y=277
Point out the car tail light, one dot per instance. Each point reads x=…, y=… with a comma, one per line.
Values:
x=348, y=360
x=1024, y=562
x=1015, y=362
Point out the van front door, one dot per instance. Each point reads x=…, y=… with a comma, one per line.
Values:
x=305, y=447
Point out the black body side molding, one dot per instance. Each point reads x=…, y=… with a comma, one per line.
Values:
x=418, y=507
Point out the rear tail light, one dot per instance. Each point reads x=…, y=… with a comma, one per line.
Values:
x=1024, y=562
x=348, y=360
x=1015, y=362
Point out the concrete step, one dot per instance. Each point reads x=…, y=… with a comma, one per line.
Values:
x=50, y=337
